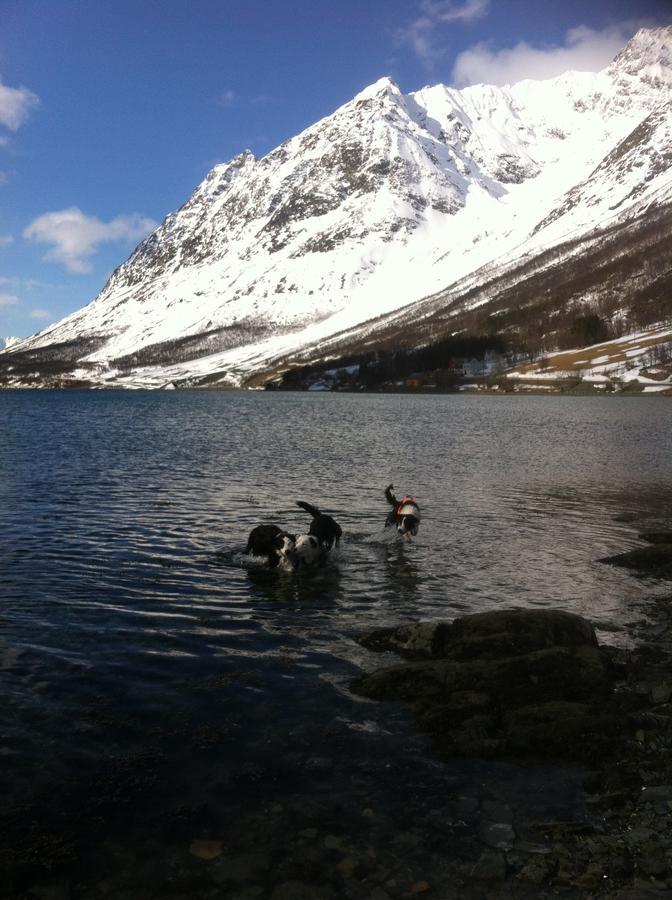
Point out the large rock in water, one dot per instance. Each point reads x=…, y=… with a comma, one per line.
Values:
x=655, y=559
x=508, y=632
x=508, y=683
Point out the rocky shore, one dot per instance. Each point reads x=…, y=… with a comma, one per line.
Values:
x=654, y=558
x=526, y=684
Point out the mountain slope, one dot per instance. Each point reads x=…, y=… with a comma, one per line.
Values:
x=391, y=199
x=621, y=267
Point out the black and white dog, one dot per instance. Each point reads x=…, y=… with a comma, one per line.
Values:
x=405, y=515
x=273, y=544
x=306, y=550
x=325, y=529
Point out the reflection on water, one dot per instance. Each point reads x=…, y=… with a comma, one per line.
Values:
x=403, y=572
x=319, y=586
x=155, y=691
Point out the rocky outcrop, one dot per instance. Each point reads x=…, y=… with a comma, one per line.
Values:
x=506, y=683
x=657, y=537
x=655, y=559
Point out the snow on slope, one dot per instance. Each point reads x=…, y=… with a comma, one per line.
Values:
x=391, y=198
x=637, y=169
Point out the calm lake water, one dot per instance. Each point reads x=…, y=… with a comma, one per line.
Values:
x=155, y=692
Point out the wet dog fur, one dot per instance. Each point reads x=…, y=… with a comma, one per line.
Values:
x=407, y=524
x=307, y=550
x=272, y=544
x=327, y=530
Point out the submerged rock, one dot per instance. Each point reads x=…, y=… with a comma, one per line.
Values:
x=503, y=683
x=657, y=537
x=298, y=890
x=491, y=866
x=656, y=559
x=207, y=850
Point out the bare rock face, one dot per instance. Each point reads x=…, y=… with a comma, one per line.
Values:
x=504, y=683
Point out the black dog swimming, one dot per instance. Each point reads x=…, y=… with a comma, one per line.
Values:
x=327, y=531
x=273, y=544
x=405, y=515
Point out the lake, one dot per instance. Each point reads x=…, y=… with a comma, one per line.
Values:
x=175, y=724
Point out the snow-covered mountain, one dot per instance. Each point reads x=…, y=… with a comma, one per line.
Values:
x=8, y=342
x=392, y=199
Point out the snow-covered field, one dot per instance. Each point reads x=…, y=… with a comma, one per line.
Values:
x=645, y=357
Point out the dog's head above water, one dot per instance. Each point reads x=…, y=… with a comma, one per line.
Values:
x=405, y=514
x=272, y=544
x=409, y=523
x=306, y=550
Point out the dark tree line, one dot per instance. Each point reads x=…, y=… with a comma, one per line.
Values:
x=376, y=368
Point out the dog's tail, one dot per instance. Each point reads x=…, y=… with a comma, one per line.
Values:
x=389, y=496
x=313, y=510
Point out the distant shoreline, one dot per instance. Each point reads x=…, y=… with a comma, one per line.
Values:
x=475, y=391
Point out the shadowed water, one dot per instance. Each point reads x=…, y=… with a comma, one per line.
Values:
x=155, y=691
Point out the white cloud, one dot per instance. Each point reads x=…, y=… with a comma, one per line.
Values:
x=76, y=236
x=15, y=106
x=32, y=284
x=584, y=50
x=227, y=98
x=420, y=35
x=40, y=314
x=8, y=299
x=6, y=240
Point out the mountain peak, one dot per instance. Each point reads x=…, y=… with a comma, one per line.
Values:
x=385, y=86
x=237, y=162
x=245, y=156
x=647, y=55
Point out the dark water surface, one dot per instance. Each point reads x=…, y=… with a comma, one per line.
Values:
x=156, y=692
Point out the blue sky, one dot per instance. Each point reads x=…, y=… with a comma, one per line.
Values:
x=112, y=111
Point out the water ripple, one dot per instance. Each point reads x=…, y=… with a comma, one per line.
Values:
x=128, y=623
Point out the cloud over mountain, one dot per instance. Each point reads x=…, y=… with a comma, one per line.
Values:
x=75, y=237
x=584, y=50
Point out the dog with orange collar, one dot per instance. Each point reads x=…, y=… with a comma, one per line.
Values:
x=405, y=514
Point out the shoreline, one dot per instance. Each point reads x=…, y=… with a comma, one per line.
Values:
x=620, y=845
x=464, y=391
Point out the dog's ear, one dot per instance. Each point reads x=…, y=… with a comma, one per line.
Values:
x=292, y=537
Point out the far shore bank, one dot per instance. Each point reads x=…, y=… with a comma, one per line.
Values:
x=471, y=389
